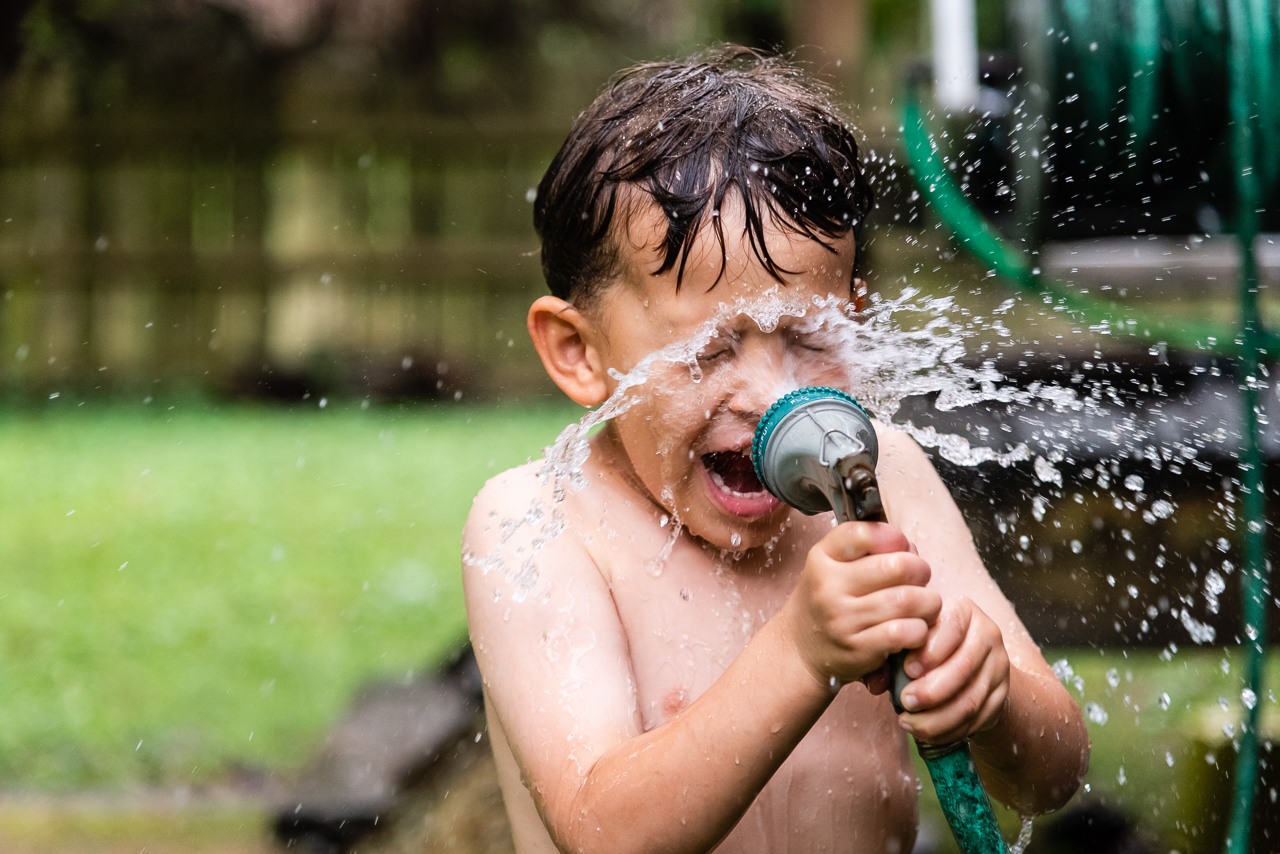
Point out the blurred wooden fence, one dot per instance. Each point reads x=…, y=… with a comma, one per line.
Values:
x=393, y=258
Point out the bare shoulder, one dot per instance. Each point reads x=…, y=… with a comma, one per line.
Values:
x=900, y=451
x=908, y=481
x=518, y=519
x=503, y=501
x=918, y=502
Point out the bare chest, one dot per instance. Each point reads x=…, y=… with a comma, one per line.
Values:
x=850, y=776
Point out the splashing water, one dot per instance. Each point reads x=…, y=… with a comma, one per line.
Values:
x=910, y=348
x=875, y=356
x=1024, y=836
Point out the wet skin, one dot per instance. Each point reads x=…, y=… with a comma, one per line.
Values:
x=650, y=703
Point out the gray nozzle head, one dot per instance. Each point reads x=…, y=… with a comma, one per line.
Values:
x=802, y=439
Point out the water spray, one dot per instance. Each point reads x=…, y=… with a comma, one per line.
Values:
x=816, y=450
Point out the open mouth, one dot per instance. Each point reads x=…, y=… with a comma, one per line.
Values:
x=735, y=485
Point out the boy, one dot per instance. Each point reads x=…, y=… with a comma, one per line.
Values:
x=673, y=661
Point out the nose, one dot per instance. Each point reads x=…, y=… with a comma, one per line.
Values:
x=757, y=375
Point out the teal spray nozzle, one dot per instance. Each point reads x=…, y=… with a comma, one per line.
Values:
x=816, y=450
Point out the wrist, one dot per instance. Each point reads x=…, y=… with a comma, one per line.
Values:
x=794, y=666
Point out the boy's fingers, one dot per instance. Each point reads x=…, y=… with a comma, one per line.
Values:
x=973, y=708
x=894, y=603
x=976, y=709
x=943, y=684
x=853, y=540
x=877, y=572
x=981, y=649
x=990, y=714
x=895, y=635
x=947, y=636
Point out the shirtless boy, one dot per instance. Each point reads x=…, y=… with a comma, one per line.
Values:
x=673, y=661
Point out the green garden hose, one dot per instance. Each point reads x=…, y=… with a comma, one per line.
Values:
x=1132, y=49
x=1252, y=90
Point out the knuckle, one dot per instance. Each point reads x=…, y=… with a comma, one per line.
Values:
x=853, y=538
x=918, y=569
x=893, y=565
x=913, y=633
x=829, y=611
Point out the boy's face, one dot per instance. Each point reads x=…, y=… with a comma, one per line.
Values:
x=687, y=437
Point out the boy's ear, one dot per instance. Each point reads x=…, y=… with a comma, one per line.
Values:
x=565, y=341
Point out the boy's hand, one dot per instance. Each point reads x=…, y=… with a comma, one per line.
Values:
x=961, y=676
x=861, y=597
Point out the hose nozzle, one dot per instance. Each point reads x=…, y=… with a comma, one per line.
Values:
x=816, y=450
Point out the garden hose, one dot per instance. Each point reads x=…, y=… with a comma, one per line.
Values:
x=816, y=450
x=1130, y=40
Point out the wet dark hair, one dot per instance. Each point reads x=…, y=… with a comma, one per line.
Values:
x=685, y=133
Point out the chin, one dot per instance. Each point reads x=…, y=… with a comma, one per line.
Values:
x=712, y=527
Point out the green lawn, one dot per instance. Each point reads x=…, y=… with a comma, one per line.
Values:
x=184, y=590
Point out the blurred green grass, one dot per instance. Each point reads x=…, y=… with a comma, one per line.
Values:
x=187, y=590
x=173, y=581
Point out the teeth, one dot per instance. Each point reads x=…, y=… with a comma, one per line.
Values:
x=719, y=482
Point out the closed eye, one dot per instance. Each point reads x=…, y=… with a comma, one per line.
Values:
x=806, y=342
x=716, y=355
x=718, y=348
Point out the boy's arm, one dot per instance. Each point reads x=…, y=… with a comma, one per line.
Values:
x=1032, y=750
x=557, y=670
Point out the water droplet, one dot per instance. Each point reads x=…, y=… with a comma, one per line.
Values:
x=1096, y=713
x=1046, y=472
x=1038, y=505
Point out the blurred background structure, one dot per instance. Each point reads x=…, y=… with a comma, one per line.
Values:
x=270, y=197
